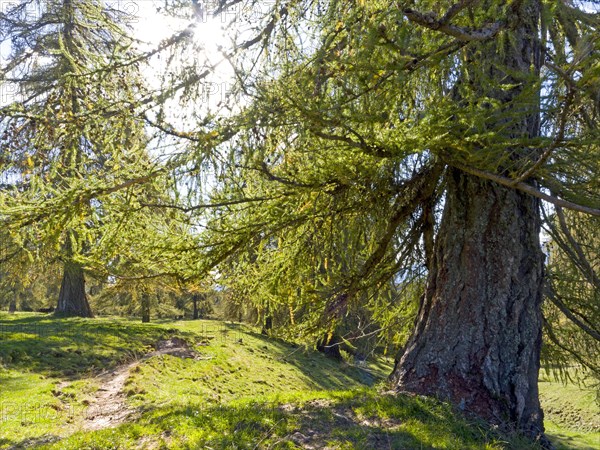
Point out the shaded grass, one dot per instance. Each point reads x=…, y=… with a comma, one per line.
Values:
x=567, y=439
x=347, y=419
x=241, y=363
x=570, y=406
x=73, y=347
x=244, y=390
x=571, y=413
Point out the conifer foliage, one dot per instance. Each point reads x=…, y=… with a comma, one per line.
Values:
x=71, y=138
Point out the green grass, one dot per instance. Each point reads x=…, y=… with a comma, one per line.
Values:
x=239, y=363
x=37, y=352
x=565, y=438
x=243, y=390
x=73, y=348
x=572, y=414
x=346, y=419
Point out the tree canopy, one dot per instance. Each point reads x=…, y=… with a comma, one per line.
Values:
x=393, y=142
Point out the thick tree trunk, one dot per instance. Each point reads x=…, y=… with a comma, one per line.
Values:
x=478, y=334
x=72, y=299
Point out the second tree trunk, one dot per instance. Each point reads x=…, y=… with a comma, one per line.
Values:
x=72, y=299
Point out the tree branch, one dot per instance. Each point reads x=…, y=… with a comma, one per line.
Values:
x=527, y=188
x=211, y=205
x=556, y=341
x=429, y=20
x=569, y=314
x=416, y=190
x=588, y=269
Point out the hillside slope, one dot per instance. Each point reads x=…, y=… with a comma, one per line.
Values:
x=114, y=383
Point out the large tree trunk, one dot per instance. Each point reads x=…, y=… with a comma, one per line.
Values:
x=72, y=299
x=478, y=334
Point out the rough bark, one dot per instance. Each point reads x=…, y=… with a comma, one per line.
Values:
x=478, y=334
x=72, y=299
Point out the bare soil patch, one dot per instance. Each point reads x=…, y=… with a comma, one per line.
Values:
x=108, y=407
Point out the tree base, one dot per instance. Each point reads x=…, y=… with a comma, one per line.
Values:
x=72, y=299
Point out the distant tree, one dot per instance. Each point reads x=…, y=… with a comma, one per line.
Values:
x=71, y=133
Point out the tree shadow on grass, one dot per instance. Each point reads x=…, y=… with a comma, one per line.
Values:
x=319, y=371
x=359, y=420
x=73, y=347
x=324, y=372
x=365, y=420
x=28, y=443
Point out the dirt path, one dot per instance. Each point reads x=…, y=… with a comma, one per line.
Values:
x=108, y=408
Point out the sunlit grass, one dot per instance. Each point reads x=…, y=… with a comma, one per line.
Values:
x=242, y=390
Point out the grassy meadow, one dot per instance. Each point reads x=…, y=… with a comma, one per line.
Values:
x=111, y=383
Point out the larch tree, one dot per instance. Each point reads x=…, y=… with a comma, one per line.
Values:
x=431, y=133
x=70, y=131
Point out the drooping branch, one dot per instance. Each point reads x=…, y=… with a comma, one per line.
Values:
x=214, y=204
x=582, y=261
x=552, y=336
x=416, y=190
x=571, y=315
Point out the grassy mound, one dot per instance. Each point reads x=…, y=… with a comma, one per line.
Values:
x=113, y=383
